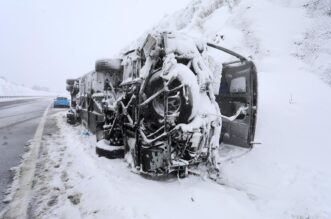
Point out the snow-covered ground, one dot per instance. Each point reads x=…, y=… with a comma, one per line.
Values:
x=72, y=182
x=287, y=176
x=10, y=89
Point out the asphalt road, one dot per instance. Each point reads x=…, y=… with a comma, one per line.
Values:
x=18, y=123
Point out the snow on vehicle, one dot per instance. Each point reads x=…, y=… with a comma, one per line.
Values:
x=167, y=105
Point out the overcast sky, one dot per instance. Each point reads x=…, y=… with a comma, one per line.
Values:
x=44, y=42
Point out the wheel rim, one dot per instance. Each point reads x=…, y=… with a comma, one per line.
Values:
x=174, y=104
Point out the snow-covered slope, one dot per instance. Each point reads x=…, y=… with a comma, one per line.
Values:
x=10, y=89
x=262, y=29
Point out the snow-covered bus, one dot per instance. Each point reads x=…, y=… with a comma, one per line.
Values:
x=169, y=104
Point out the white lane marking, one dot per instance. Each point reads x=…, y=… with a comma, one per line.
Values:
x=18, y=206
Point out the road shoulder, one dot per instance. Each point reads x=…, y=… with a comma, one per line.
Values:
x=23, y=181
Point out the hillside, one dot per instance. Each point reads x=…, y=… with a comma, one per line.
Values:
x=10, y=89
x=262, y=29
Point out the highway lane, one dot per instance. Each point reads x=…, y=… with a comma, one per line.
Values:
x=18, y=123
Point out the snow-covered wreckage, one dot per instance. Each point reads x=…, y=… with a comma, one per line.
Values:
x=167, y=105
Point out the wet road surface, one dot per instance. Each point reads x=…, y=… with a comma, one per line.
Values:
x=18, y=123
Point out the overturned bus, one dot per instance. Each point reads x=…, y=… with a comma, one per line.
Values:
x=167, y=105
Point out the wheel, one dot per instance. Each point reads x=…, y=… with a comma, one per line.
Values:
x=182, y=172
x=108, y=65
x=178, y=103
x=69, y=87
x=70, y=81
x=103, y=149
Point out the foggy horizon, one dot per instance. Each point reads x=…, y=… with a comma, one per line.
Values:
x=45, y=42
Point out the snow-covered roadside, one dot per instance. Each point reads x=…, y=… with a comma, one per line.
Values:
x=72, y=182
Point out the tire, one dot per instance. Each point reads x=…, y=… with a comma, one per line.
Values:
x=71, y=81
x=115, y=154
x=155, y=107
x=108, y=65
x=102, y=149
x=69, y=87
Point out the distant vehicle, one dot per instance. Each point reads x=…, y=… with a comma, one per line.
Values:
x=61, y=102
